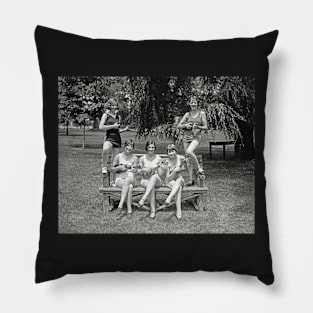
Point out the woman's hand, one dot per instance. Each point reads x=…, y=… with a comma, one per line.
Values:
x=177, y=169
x=164, y=165
x=123, y=168
x=116, y=125
x=128, y=166
x=188, y=126
x=149, y=171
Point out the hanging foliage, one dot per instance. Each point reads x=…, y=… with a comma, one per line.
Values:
x=153, y=105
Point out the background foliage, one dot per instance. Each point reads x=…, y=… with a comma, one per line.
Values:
x=154, y=105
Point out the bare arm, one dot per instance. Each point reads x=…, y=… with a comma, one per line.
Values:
x=115, y=166
x=176, y=170
x=124, y=129
x=182, y=123
x=171, y=175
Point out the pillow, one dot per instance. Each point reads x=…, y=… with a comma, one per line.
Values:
x=153, y=82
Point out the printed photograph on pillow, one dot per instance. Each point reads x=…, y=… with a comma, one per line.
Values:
x=156, y=154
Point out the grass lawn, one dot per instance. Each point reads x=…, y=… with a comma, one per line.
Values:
x=230, y=200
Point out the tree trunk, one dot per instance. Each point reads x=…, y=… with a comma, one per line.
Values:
x=66, y=128
x=84, y=135
x=95, y=123
x=247, y=142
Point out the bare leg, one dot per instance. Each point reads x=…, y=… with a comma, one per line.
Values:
x=190, y=152
x=176, y=186
x=152, y=203
x=115, y=152
x=129, y=199
x=189, y=163
x=107, y=148
x=178, y=202
x=125, y=187
x=153, y=182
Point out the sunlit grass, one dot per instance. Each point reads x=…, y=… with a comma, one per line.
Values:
x=230, y=199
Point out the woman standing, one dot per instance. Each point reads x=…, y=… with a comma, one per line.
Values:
x=111, y=122
x=193, y=123
x=123, y=165
x=149, y=165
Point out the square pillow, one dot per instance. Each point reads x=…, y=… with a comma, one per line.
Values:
x=224, y=223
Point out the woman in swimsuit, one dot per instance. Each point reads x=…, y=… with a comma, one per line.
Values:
x=110, y=122
x=149, y=165
x=174, y=179
x=123, y=166
x=193, y=123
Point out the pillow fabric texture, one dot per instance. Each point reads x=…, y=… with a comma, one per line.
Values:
x=64, y=54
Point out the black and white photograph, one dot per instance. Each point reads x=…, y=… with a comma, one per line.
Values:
x=169, y=154
x=156, y=156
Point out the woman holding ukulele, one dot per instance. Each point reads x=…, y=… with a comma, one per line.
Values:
x=149, y=164
x=173, y=178
x=111, y=123
x=193, y=123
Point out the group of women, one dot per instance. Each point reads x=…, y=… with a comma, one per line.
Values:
x=150, y=168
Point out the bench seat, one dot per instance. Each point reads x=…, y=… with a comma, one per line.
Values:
x=194, y=194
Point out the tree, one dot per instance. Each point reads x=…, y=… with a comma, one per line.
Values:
x=228, y=102
x=236, y=96
x=82, y=98
x=153, y=104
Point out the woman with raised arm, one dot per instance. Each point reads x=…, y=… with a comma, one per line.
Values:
x=193, y=123
x=124, y=165
x=174, y=179
x=110, y=123
x=149, y=165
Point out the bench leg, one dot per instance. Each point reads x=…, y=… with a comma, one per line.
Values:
x=111, y=204
x=195, y=204
x=106, y=204
x=106, y=180
x=201, y=203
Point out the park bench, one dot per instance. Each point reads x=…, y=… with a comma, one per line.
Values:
x=220, y=143
x=193, y=194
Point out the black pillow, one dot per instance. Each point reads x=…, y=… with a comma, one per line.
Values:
x=71, y=242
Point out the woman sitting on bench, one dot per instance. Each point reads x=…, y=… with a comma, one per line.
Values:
x=193, y=123
x=173, y=178
x=123, y=166
x=149, y=165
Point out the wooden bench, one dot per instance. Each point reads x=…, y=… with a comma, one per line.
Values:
x=193, y=194
x=220, y=143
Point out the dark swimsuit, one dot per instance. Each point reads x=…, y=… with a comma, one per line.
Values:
x=113, y=135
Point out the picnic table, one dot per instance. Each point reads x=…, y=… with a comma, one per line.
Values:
x=220, y=143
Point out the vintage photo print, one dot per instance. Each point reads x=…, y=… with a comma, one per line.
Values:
x=156, y=155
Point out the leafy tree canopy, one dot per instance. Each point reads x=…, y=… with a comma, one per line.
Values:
x=150, y=103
